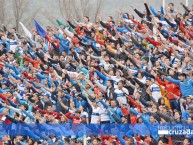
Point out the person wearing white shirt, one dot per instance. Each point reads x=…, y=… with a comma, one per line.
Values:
x=95, y=114
x=154, y=89
x=121, y=93
x=116, y=78
x=104, y=116
x=141, y=78
x=95, y=119
x=84, y=114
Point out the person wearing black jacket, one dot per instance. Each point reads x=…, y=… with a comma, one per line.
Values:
x=2, y=49
x=143, y=87
x=176, y=119
x=37, y=101
x=110, y=90
x=109, y=26
x=146, y=14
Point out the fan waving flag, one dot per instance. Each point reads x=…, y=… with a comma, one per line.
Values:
x=27, y=32
x=39, y=29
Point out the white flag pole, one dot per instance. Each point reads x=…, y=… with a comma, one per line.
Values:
x=186, y=2
x=163, y=3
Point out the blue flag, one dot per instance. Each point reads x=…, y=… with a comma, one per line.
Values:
x=39, y=29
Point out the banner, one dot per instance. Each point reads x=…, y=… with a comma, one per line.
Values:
x=68, y=129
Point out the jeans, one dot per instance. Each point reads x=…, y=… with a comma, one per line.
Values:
x=174, y=104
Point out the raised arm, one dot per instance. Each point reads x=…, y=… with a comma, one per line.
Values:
x=29, y=115
x=118, y=63
x=160, y=81
x=103, y=77
x=14, y=109
x=173, y=80
x=89, y=102
x=62, y=104
x=165, y=117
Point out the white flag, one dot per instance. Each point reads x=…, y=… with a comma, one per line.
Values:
x=27, y=32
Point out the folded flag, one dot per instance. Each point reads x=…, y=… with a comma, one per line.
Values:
x=39, y=29
x=26, y=31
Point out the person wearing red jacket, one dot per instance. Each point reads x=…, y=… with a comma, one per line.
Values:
x=27, y=75
x=34, y=62
x=3, y=97
x=155, y=43
x=171, y=89
x=75, y=119
x=7, y=95
x=137, y=105
x=133, y=118
x=49, y=111
x=185, y=30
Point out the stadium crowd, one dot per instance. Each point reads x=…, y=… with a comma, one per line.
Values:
x=138, y=71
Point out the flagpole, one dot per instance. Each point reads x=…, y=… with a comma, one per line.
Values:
x=163, y=3
x=84, y=135
x=186, y=2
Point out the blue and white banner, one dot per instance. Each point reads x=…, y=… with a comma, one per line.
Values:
x=95, y=129
x=175, y=129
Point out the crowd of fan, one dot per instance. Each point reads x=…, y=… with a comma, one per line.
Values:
x=137, y=71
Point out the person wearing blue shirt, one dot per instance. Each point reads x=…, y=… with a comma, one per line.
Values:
x=5, y=45
x=152, y=125
x=140, y=128
x=187, y=113
x=114, y=109
x=64, y=43
x=185, y=84
x=130, y=141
